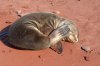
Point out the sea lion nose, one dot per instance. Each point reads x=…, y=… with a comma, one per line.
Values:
x=76, y=40
x=73, y=39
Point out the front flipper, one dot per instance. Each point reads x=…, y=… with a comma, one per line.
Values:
x=57, y=47
x=59, y=33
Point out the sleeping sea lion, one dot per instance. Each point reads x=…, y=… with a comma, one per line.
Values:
x=42, y=30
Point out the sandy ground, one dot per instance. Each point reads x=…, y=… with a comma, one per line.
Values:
x=85, y=13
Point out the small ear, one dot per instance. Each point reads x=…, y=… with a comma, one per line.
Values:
x=57, y=47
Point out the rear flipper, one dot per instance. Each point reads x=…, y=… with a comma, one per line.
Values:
x=57, y=47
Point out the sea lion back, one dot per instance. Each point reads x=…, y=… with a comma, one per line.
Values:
x=27, y=32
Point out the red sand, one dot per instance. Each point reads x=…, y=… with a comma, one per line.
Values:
x=85, y=13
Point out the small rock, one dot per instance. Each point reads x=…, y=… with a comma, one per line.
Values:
x=20, y=15
x=39, y=56
x=8, y=22
x=86, y=58
x=78, y=0
x=18, y=12
x=86, y=48
x=56, y=12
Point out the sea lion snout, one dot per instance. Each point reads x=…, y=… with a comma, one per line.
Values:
x=72, y=38
x=73, y=35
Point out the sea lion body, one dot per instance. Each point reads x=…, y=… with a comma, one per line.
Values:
x=31, y=31
x=35, y=31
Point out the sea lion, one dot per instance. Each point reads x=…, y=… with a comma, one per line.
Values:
x=42, y=30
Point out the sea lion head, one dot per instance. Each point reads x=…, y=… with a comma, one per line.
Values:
x=72, y=37
x=66, y=30
x=73, y=34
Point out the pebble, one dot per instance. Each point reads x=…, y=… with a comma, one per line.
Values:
x=39, y=56
x=18, y=12
x=56, y=12
x=8, y=22
x=78, y=0
x=86, y=58
x=86, y=48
